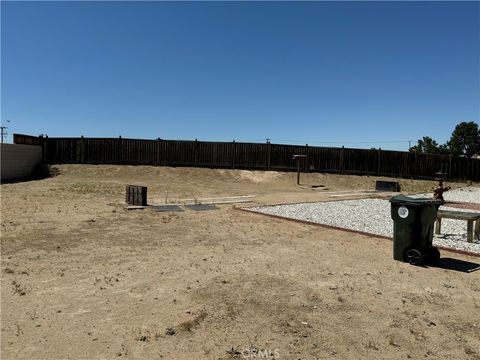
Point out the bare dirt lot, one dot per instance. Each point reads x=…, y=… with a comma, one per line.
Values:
x=84, y=278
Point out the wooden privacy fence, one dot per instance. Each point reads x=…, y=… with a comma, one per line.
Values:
x=239, y=155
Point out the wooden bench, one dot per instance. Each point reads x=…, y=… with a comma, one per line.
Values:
x=469, y=217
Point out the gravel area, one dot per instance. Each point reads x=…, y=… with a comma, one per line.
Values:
x=468, y=195
x=373, y=216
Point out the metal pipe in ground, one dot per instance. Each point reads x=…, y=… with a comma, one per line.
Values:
x=298, y=158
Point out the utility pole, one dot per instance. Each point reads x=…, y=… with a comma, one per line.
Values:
x=409, y=144
x=3, y=131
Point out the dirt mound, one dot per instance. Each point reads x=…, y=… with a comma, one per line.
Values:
x=260, y=176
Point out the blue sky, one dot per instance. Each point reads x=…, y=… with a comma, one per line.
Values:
x=362, y=74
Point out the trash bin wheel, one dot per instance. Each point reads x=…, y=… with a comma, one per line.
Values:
x=433, y=256
x=413, y=257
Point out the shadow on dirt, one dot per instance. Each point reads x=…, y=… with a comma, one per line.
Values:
x=457, y=265
x=40, y=172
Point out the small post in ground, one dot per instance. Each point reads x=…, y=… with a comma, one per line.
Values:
x=299, y=158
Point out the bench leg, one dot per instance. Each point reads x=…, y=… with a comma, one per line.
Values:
x=470, y=230
x=438, y=226
x=477, y=229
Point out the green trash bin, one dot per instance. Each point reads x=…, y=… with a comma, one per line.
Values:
x=413, y=221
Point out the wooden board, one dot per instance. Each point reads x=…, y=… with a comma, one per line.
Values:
x=458, y=215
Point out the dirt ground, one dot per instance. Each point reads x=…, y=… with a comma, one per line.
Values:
x=84, y=278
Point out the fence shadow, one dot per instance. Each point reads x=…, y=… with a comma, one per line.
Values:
x=41, y=171
x=458, y=265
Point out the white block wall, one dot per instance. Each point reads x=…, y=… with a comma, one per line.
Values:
x=18, y=161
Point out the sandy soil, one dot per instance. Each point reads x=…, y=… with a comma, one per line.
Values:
x=83, y=278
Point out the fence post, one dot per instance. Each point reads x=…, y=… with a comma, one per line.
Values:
x=78, y=155
x=415, y=165
x=379, y=161
x=157, y=152
x=342, y=158
x=306, y=158
x=45, y=149
x=234, y=153
x=56, y=157
x=120, y=147
x=42, y=142
x=195, y=150
x=406, y=167
x=82, y=150
x=268, y=154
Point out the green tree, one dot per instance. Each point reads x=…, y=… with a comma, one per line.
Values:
x=427, y=145
x=465, y=140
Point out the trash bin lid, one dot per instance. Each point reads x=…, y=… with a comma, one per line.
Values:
x=410, y=201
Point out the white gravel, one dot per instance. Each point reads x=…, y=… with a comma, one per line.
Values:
x=373, y=216
x=469, y=195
